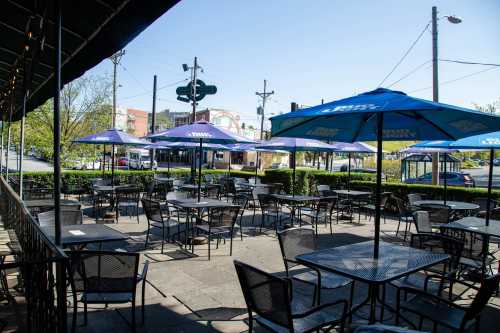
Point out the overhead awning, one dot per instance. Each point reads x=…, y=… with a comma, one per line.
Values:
x=92, y=30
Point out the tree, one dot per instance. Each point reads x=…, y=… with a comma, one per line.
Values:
x=85, y=109
x=491, y=108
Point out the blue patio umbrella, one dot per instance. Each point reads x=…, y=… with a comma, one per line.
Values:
x=201, y=132
x=383, y=114
x=114, y=137
x=354, y=147
x=293, y=145
x=489, y=141
x=437, y=146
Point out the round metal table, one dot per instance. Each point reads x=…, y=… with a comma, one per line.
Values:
x=455, y=205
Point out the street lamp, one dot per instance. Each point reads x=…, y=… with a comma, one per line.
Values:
x=435, y=78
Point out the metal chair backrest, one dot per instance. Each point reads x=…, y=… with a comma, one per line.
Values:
x=483, y=203
x=266, y=295
x=224, y=216
x=400, y=204
x=276, y=188
x=422, y=221
x=212, y=192
x=68, y=217
x=241, y=200
x=128, y=194
x=449, y=245
x=294, y=242
x=488, y=287
x=414, y=197
x=177, y=195
x=438, y=214
x=104, y=271
x=320, y=188
x=152, y=209
x=267, y=201
x=260, y=190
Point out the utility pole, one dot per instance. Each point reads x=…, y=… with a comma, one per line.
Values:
x=153, y=119
x=115, y=59
x=435, y=87
x=264, y=95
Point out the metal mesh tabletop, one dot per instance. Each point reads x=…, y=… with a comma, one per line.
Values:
x=476, y=225
x=356, y=261
x=86, y=233
x=352, y=193
x=204, y=203
x=109, y=188
x=455, y=205
x=47, y=203
x=297, y=198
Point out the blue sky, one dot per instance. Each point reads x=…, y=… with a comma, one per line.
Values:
x=308, y=51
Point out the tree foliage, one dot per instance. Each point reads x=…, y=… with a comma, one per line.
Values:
x=85, y=109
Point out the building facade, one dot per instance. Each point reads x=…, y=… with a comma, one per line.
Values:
x=132, y=121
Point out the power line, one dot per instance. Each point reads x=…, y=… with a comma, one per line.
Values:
x=456, y=79
x=410, y=73
x=150, y=91
x=469, y=62
x=134, y=78
x=404, y=55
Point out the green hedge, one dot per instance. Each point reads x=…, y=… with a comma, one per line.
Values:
x=144, y=177
x=433, y=191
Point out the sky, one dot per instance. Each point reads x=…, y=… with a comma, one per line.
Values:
x=310, y=51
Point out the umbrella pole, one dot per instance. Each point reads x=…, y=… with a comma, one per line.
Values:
x=294, y=167
x=103, y=159
x=490, y=179
x=349, y=172
x=199, y=171
x=112, y=165
x=229, y=165
x=380, y=125
x=445, y=179
x=256, y=165
x=168, y=162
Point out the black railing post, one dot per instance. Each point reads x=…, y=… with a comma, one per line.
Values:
x=378, y=190
x=57, y=120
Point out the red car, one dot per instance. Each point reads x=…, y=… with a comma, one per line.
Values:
x=123, y=161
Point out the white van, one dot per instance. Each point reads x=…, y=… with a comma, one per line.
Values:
x=140, y=159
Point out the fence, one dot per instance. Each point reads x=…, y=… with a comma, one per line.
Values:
x=42, y=267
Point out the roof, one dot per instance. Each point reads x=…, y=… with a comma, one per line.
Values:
x=92, y=30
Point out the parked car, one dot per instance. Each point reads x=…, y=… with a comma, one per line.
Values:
x=496, y=162
x=123, y=161
x=140, y=159
x=84, y=164
x=452, y=179
x=277, y=165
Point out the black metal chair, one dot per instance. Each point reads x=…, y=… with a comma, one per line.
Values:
x=438, y=214
x=370, y=208
x=221, y=222
x=297, y=241
x=68, y=217
x=278, y=309
x=156, y=219
x=127, y=199
x=483, y=204
x=442, y=311
x=405, y=215
x=242, y=200
x=105, y=277
x=321, y=210
x=269, y=208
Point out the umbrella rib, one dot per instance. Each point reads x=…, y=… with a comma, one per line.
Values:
x=298, y=124
x=429, y=122
x=365, y=119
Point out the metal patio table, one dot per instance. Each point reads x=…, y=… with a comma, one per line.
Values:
x=295, y=202
x=47, y=203
x=478, y=226
x=454, y=205
x=355, y=196
x=83, y=234
x=356, y=261
x=110, y=189
x=194, y=207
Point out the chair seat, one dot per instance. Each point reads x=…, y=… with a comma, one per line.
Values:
x=214, y=230
x=107, y=297
x=309, y=323
x=328, y=280
x=128, y=204
x=438, y=312
x=416, y=281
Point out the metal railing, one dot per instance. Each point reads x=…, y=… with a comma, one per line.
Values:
x=42, y=266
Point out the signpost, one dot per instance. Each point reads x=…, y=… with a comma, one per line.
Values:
x=185, y=94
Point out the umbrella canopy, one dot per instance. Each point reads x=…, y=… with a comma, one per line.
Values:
x=490, y=141
x=185, y=145
x=294, y=144
x=112, y=137
x=200, y=130
x=354, y=147
x=383, y=114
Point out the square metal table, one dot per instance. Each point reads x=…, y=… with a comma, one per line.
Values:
x=354, y=196
x=356, y=261
x=83, y=234
x=195, y=207
x=478, y=226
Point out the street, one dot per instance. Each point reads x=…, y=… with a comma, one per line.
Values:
x=29, y=163
x=481, y=176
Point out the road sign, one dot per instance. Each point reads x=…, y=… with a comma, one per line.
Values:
x=185, y=93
